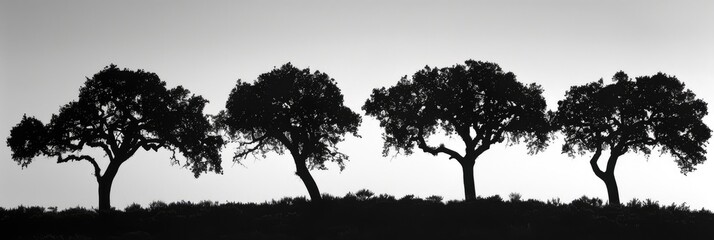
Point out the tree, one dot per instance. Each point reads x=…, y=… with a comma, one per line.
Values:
x=293, y=109
x=120, y=112
x=477, y=101
x=633, y=115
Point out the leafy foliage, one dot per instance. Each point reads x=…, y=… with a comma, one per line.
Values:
x=122, y=111
x=635, y=115
x=477, y=101
x=289, y=108
x=27, y=140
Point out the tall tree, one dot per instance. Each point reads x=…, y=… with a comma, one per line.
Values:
x=477, y=101
x=122, y=111
x=293, y=109
x=633, y=115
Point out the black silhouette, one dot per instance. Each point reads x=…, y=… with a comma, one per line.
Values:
x=368, y=217
x=478, y=101
x=633, y=116
x=293, y=109
x=120, y=112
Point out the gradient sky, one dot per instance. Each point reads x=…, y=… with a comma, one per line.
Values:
x=47, y=48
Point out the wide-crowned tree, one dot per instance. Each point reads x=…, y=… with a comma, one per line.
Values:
x=633, y=115
x=293, y=109
x=478, y=102
x=119, y=112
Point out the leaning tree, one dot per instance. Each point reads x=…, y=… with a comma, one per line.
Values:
x=633, y=116
x=293, y=109
x=477, y=101
x=119, y=112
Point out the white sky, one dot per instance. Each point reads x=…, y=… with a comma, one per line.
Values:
x=47, y=48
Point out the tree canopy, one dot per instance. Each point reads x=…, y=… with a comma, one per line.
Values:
x=293, y=109
x=633, y=115
x=121, y=111
x=477, y=101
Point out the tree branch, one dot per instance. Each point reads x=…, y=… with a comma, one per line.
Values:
x=285, y=141
x=465, y=135
x=434, y=151
x=593, y=163
x=97, y=171
x=153, y=144
x=479, y=134
x=255, y=139
x=248, y=151
x=647, y=140
x=104, y=146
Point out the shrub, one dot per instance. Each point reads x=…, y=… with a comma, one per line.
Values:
x=77, y=211
x=555, y=202
x=408, y=197
x=680, y=208
x=328, y=197
x=494, y=198
x=52, y=209
x=364, y=194
x=435, y=198
x=157, y=205
x=134, y=207
x=384, y=197
x=514, y=197
x=584, y=201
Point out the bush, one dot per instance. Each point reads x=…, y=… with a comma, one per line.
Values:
x=435, y=198
x=514, y=197
x=494, y=198
x=364, y=194
x=584, y=201
x=386, y=197
x=408, y=197
x=554, y=202
x=134, y=207
x=157, y=205
x=379, y=217
x=77, y=211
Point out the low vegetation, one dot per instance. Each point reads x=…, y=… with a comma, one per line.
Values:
x=365, y=215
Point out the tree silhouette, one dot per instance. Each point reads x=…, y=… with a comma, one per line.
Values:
x=633, y=116
x=120, y=112
x=477, y=101
x=293, y=109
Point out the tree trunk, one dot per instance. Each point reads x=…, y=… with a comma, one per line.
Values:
x=608, y=176
x=468, y=174
x=307, y=179
x=105, y=186
x=612, y=193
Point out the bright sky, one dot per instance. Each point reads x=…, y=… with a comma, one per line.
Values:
x=47, y=48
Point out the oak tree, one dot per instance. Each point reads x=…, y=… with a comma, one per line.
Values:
x=121, y=111
x=633, y=116
x=290, y=109
x=478, y=102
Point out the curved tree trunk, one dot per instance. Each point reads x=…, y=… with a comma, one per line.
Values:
x=608, y=176
x=307, y=179
x=105, y=186
x=467, y=168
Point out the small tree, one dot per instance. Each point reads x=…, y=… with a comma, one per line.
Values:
x=120, y=112
x=293, y=109
x=477, y=101
x=633, y=116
